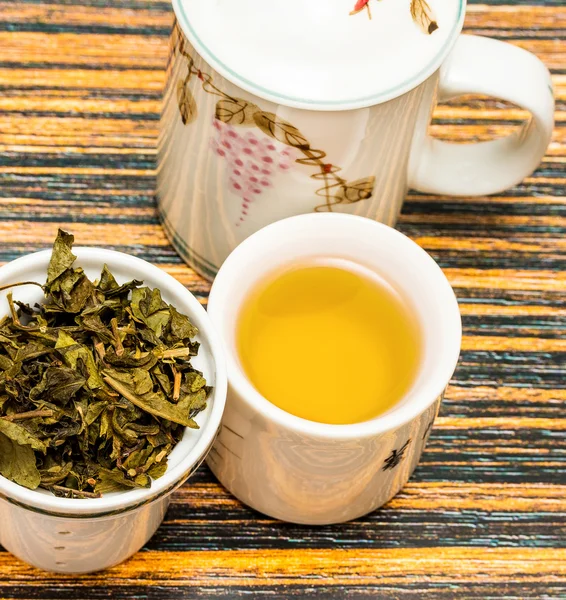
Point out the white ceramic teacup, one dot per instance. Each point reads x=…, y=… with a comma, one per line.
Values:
x=313, y=473
x=80, y=536
x=279, y=108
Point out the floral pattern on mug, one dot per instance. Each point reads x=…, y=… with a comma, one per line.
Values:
x=238, y=112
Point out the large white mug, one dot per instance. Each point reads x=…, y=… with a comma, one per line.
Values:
x=315, y=473
x=279, y=108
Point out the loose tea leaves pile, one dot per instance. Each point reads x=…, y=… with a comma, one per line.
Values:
x=96, y=383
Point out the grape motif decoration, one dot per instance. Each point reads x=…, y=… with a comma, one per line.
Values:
x=252, y=161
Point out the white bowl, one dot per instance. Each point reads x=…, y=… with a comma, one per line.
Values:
x=85, y=535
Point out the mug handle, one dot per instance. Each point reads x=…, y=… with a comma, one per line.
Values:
x=480, y=65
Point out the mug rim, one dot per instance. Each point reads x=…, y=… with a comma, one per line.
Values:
x=242, y=258
x=304, y=103
x=128, y=500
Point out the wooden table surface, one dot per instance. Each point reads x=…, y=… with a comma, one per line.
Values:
x=484, y=515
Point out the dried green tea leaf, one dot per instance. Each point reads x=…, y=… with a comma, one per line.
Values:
x=75, y=299
x=18, y=463
x=72, y=352
x=148, y=307
x=193, y=382
x=143, y=383
x=94, y=411
x=152, y=429
x=131, y=360
x=21, y=436
x=55, y=474
x=113, y=481
x=163, y=381
x=64, y=284
x=181, y=326
x=6, y=340
x=158, y=470
x=61, y=258
x=112, y=304
x=143, y=480
x=153, y=403
x=137, y=460
x=107, y=281
x=193, y=403
x=158, y=440
x=157, y=321
x=94, y=324
x=110, y=286
x=106, y=425
x=58, y=384
x=32, y=350
x=147, y=335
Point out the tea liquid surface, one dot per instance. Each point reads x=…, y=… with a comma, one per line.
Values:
x=329, y=344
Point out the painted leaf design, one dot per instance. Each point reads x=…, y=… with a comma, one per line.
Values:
x=177, y=41
x=354, y=191
x=395, y=457
x=236, y=111
x=360, y=5
x=187, y=104
x=423, y=16
x=281, y=130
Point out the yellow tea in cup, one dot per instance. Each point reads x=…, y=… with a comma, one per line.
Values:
x=329, y=342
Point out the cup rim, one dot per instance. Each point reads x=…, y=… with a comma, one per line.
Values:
x=428, y=392
x=130, y=499
x=252, y=87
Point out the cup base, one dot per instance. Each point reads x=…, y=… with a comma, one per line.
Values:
x=77, y=545
x=347, y=514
